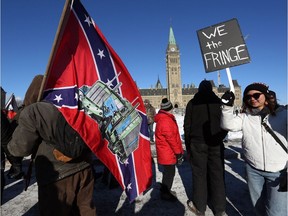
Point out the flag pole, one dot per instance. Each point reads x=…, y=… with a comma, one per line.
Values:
x=230, y=80
x=57, y=39
x=58, y=36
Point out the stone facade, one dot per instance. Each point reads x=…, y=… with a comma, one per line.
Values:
x=180, y=95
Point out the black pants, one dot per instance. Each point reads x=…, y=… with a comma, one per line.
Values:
x=208, y=176
x=168, y=175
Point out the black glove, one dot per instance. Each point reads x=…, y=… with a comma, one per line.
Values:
x=179, y=158
x=228, y=98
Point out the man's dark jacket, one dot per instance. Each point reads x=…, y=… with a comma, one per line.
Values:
x=202, y=120
x=39, y=129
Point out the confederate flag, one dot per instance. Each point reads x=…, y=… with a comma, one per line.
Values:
x=93, y=89
x=11, y=107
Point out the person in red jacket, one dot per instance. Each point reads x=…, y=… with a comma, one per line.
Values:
x=168, y=147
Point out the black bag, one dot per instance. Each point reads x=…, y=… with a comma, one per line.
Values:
x=283, y=181
x=68, y=141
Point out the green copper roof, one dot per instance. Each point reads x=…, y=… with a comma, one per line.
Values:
x=171, y=37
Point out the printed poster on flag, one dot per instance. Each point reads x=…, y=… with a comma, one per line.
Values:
x=90, y=85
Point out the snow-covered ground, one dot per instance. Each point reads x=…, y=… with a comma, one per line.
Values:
x=112, y=201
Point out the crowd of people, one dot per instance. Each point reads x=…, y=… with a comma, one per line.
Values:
x=207, y=121
x=65, y=176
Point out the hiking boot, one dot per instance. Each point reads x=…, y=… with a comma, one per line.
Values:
x=192, y=208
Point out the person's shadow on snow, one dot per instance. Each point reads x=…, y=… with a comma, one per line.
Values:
x=237, y=193
x=157, y=206
x=149, y=203
x=185, y=172
x=15, y=187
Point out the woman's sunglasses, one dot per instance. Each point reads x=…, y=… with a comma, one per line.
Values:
x=255, y=96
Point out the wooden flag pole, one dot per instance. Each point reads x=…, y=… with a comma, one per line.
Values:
x=59, y=33
x=230, y=80
x=57, y=39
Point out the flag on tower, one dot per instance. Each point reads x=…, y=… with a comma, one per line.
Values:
x=90, y=85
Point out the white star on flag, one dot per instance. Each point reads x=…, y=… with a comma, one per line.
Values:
x=58, y=98
x=88, y=20
x=101, y=54
x=126, y=162
x=109, y=83
x=129, y=186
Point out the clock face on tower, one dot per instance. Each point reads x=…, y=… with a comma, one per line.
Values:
x=172, y=49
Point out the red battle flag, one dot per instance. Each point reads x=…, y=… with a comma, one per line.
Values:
x=88, y=83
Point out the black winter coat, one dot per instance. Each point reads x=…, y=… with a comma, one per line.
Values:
x=202, y=120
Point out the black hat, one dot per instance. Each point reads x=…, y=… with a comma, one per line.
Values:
x=166, y=105
x=262, y=87
x=205, y=85
x=272, y=94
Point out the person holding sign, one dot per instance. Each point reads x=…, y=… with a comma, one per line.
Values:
x=266, y=161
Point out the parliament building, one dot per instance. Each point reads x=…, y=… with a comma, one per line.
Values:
x=180, y=95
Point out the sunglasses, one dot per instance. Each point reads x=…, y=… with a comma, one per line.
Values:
x=255, y=96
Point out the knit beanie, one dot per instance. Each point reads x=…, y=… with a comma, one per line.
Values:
x=258, y=87
x=166, y=105
x=205, y=85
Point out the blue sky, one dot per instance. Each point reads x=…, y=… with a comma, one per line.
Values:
x=138, y=31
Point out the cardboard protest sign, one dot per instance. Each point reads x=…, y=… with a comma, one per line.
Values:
x=222, y=46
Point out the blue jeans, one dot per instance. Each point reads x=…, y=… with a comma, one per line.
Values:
x=263, y=187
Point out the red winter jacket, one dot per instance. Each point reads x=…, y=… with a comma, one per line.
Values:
x=168, y=141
